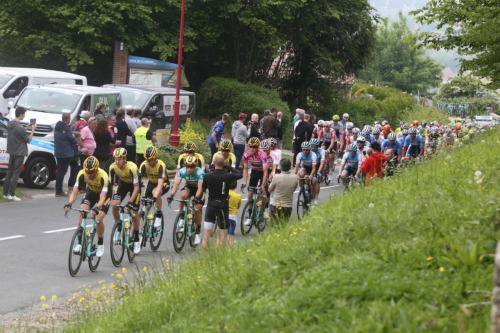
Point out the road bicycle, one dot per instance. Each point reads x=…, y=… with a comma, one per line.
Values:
x=148, y=230
x=324, y=176
x=184, y=226
x=255, y=210
x=304, y=198
x=87, y=240
x=121, y=237
x=348, y=185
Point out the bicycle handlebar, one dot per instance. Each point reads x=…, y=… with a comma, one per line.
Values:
x=123, y=208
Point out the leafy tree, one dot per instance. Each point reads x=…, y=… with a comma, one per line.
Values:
x=398, y=63
x=469, y=27
x=462, y=86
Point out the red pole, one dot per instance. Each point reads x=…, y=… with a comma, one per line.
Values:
x=174, y=136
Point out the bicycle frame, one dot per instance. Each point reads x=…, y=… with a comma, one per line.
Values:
x=126, y=223
x=149, y=218
x=188, y=210
x=86, y=244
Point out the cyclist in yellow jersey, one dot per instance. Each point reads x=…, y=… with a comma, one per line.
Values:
x=190, y=150
x=128, y=183
x=225, y=150
x=96, y=197
x=159, y=184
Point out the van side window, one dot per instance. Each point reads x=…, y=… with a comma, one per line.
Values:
x=3, y=131
x=16, y=87
x=79, y=82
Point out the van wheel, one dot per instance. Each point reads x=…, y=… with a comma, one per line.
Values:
x=37, y=173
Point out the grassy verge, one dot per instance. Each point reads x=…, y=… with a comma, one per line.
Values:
x=408, y=254
x=18, y=194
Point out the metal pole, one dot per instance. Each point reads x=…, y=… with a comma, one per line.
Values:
x=174, y=136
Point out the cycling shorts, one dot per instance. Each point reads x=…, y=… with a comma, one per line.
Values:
x=121, y=191
x=350, y=171
x=221, y=215
x=148, y=191
x=91, y=198
x=307, y=169
x=255, y=177
x=192, y=191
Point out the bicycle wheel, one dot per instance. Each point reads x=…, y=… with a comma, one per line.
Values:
x=261, y=223
x=117, y=245
x=75, y=258
x=93, y=259
x=193, y=235
x=145, y=230
x=326, y=176
x=179, y=235
x=245, y=229
x=156, y=235
x=130, y=248
x=302, y=204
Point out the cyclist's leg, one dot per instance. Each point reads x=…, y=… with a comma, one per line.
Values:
x=345, y=174
x=88, y=201
x=119, y=194
x=302, y=174
x=255, y=178
x=314, y=187
x=100, y=217
x=159, y=194
x=185, y=195
x=148, y=193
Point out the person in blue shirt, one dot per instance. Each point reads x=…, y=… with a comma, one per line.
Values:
x=414, y=145
x=392, y=143
x=216, y=135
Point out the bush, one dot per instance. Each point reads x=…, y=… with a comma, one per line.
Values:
x=418, y=112
x=190, y=132
x=219, y=95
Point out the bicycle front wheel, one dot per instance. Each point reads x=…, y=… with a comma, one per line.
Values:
x=157, y=235
x=75, y=257
x=179, y=235
x=246, y=217
x=193, y=235
x=117, y=244
x=326, y=177
x=261, y=223
x=93, y=259
x=130, y=247
x=302, y=204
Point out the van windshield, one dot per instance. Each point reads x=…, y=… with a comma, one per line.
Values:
x=4, y=78
x=133, y=99
x=48, y=100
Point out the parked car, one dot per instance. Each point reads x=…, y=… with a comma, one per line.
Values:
x=39, y=167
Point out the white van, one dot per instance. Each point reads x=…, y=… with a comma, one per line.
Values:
x=13, y=80
x=156, y=102
x=48, y=103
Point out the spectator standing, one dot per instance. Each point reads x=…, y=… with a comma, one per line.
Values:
x=270, y=125
x=99, y=111
x=240, y=134
x=216, y=135
x=17, y=148
x=254, y=130
x=122, y=128
x=296, y=117
x=84, y=119
x=137, y=117
x=144, y=138
x=74, y=163
x=280, y=131
x=130, y=139
x=392, y=162
x=300, y=135
x=345, y=120
x=295, y=124
x=310, y=127
x=64, y=151
x=261, y=123
x=113, y=132
x=373, y=166
x=88, y=141
x=282, y=187
x=103, y=143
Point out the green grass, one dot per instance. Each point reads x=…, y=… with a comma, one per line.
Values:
x=18, y=194
x=408, y=254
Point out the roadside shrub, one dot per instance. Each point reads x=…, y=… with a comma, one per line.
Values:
x=219, y=95
x=418, y=112
x=188, y=133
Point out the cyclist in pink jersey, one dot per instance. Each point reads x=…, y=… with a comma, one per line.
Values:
x=258, y=163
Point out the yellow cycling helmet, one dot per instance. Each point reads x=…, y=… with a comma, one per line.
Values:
x=120, y=152
x=151, y=153
x=226, y=145
x=191, y=160
x=254, y=142
x=190, y=146
x=91, y=164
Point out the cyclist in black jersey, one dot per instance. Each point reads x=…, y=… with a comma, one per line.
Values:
x=217, y=183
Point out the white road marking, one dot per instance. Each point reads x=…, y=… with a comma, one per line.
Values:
x=40, y=196
x=12, y=237
x=61, y=230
